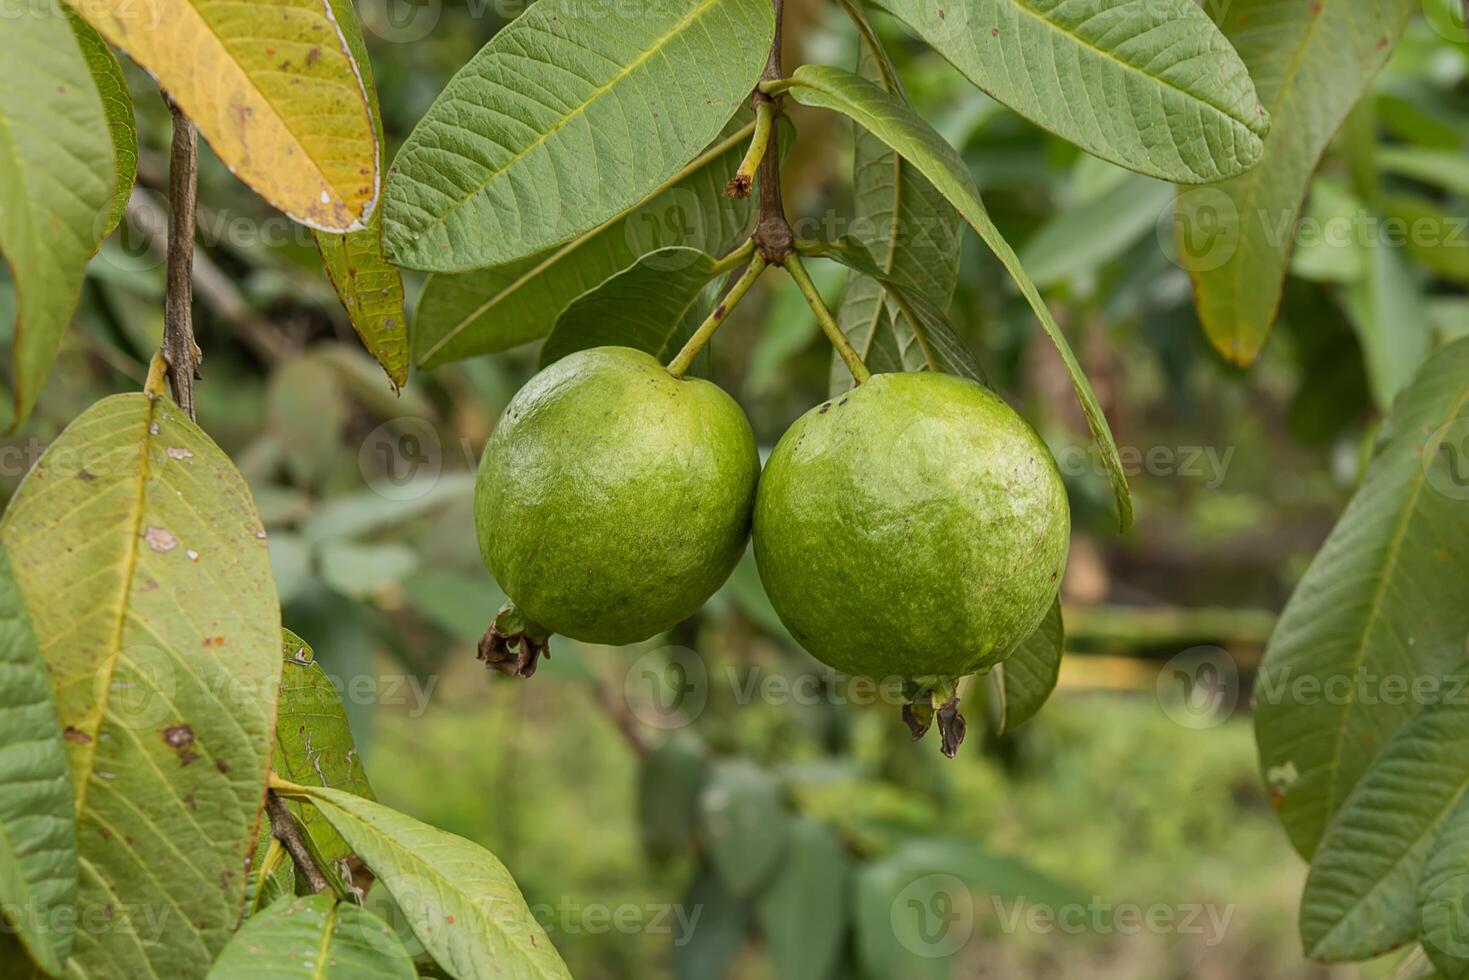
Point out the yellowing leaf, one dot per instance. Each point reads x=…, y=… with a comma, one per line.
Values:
x=1311, y=62
x=57, y=178
x=370, y=289
x=274, y=89
x=139, y=553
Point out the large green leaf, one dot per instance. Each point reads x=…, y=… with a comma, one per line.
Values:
x=566, y=119
x=112, y=86
x=495, y=309
x=645, y=306
x=38, y=846
x=1443, y=897
x=1361, y=898
x=1311, y=62
x=58, y=177
x=314, y=747
x=1019, y=687
x=803, y=911
x=1148, y=84
x=144, y=564
x=1381, y=604
x=896, y=124
x=314, y=938
x=912, y=232
x=461, y=903
x=371, y=290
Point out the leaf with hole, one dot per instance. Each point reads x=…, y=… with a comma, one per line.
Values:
x=139, y=552
x=1380, y=601
x=1150, y=85
x=371, y=290
x=38, y=845
x=58, y=180
x=897, y=125
x=502, y=307
x=283, y=103
x=1311, y=63
x=460, y=901
x=314, y=747
x=565, y=120
x=314, y=938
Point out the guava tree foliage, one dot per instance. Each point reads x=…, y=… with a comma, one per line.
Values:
x=179, y=790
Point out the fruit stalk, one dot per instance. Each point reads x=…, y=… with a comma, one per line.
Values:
x=828, y=323
x=684, y=358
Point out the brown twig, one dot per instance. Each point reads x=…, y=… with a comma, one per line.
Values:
x=179, y=349
x=621, y=715
x=773, y=236
x=288, y=832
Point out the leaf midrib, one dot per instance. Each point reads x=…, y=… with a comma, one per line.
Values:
x=593, y=98
x=703, y=160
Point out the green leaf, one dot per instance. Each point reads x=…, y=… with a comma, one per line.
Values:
x=744, y=824
x=112, y=86
x=1019, y=687
x=915, y=907
x=644, y=306
x=1334, y=250
x=144, y=564
x=371, y=290
x=314, y=938
x=1082, y=238
x=1148, y=84
x=887, y=118
x=1434, y=237
x=495, y=309
x=1381, y=601
x=565, y=120
x=460, y=901
x=58, y=177
x=803, y=911
x=360, y=570
x=715, y=937
x=1361, y=898
x=314, y=747
x=930, y=341
x=272, y=87
x=1389, y=311
x=669, y=781
x=1311, y=63
x=1443, y=897
x=38, y=847
x=910, y=229
x=1444, y=169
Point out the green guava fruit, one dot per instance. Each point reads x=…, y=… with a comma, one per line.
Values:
x=915, y=527
x=612, y=498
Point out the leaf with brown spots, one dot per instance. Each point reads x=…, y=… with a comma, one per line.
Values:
x=153, y=715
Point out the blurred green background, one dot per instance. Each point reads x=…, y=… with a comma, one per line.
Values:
x=710, y=802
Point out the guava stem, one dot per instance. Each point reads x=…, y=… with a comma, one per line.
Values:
x=829, y=326
x=684, y=358
x=744, y=178
x=733, y=260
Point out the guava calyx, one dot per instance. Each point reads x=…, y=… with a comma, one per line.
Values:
x=513, y=644
x=939, y=702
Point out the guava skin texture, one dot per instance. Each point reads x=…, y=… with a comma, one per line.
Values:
x=916, y=526
x=613, y=499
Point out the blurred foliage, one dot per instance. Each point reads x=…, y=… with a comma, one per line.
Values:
x=1237, y=476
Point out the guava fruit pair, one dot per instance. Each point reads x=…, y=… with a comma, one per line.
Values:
x=916, y=526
